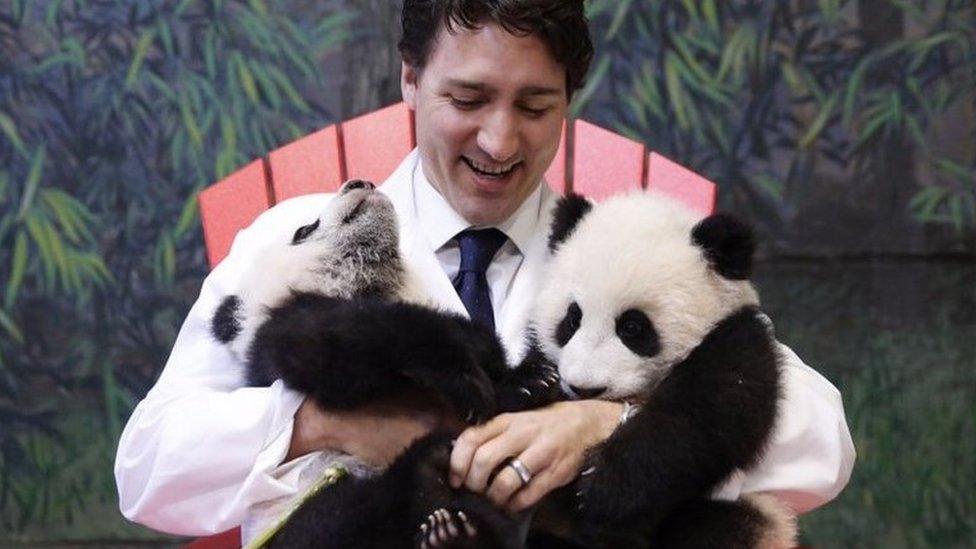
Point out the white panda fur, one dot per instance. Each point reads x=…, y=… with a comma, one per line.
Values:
x=621, y=253
x=309, y=264
x=648, y=484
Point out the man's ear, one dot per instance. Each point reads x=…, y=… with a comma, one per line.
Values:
x=408, y=84
x=569, y=210
x=728, y=245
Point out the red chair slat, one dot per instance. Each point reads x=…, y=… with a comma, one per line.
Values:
x=230, y=539
x=675, y=180
x=605, y=163
x=556, y=174
x=312, y=164
x=375, y=143
x=230, y=205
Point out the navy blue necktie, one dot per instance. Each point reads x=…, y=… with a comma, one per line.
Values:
x=477, y=250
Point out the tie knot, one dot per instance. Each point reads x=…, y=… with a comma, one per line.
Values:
x=478, y=248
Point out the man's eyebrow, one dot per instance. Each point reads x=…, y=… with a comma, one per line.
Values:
x=481, y=87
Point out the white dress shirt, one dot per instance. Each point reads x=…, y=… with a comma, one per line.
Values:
x=201, y=451
x=441, y=224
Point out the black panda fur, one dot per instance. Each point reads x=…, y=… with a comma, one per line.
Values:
x=648, y=485
x=334, y=314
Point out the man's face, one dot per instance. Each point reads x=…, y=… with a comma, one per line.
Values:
x=489, y=112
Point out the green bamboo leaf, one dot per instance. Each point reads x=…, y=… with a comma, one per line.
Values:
x=139, y=56
x=259, y=7
x=820, y=122
x=247, y=80
x=9, y=128
x=36, y=231
x=11, y=327
x=63, y=214
x=691, y=9
x=55, y=61
x=954, y=169
x=210, y=54
x=955, y=212
x=162, y=87
x=18, y=266
x=853, y=88
x=771, y=185
x=4, y=185
x=268, y=88
x=593, y=82
x=710, y=13
x=188, y=216
x=58, y=253
x=927, y=200
x=619, y=16
x=33, y=180
x=190, y=123
x=676, y=95
x=915, y=130
x=689, y=60
x=286, y=86
x=52, y=12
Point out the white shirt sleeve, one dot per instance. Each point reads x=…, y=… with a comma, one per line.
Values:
x=201, y=448
x=811, y=454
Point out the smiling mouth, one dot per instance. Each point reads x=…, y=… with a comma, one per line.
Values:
x=485, y=171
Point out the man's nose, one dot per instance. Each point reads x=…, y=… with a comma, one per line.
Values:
x=499, y=136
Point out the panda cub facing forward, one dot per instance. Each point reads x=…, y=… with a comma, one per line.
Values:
x=337, y=314
x=642, y=304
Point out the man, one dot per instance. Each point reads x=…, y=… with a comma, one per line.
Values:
x=490, y=83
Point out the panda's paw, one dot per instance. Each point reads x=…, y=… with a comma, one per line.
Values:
x=531, y=385
x=472, y=395
x=444, y=529
x=599, y=498
x=468, y=390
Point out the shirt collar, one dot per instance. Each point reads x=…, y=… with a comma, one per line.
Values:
x=440, y=223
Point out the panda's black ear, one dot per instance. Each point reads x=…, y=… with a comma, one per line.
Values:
x=569, y=210
x=728, y=244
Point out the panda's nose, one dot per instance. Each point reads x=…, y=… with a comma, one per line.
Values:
x=357, y=184
x=588, y=392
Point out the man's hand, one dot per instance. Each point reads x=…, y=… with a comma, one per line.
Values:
x=376, y=434
x=551, y=442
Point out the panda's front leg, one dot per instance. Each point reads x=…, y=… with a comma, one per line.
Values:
x=532, y=384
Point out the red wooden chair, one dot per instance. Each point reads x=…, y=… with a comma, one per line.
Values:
x=590, y=161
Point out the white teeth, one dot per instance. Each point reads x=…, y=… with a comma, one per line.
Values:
x=491, y=170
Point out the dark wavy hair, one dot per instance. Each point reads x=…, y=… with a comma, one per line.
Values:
x=561, y=24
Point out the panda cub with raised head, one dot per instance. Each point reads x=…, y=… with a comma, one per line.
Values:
x=336, y=313
x=646, y=305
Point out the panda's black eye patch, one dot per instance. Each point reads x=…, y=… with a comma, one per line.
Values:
x=303, y=232
x=569, y=324
x=636, y=332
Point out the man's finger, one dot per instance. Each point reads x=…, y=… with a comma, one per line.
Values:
x=490, y=456
x=468, y=443
x=504, y=485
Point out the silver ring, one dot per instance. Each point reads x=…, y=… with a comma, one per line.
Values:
x=521, y=470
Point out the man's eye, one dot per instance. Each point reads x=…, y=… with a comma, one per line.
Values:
x=466, y=104
x=534, y=112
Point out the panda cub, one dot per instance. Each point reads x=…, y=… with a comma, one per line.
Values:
x=642, y=304
x=338, y=315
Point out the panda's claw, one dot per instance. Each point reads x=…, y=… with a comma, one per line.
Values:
x=469, y=528
x=444, y=529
